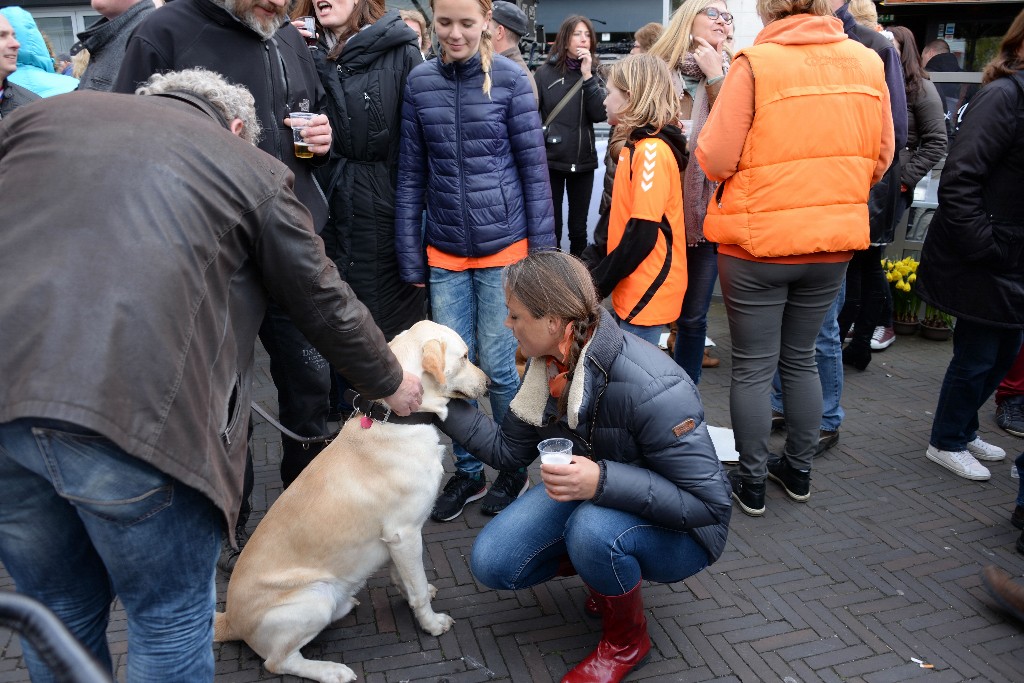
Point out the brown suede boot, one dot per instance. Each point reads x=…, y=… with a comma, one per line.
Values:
x=1007, y=592
x=624, y=644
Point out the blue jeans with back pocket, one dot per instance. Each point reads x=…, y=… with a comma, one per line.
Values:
x=83, y=522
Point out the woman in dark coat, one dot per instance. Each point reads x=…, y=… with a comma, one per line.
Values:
x=363, y=57
x=569, y=137
x=644, y=496
x=972, y=264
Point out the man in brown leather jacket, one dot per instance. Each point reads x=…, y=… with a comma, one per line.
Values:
x=128, y=325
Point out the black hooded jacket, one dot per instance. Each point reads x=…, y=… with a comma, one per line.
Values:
x=364, y=88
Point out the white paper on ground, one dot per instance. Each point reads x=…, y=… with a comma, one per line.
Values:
x=725, y=444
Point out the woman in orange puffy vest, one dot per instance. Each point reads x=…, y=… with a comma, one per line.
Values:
x=801, y=130
x=645, y=269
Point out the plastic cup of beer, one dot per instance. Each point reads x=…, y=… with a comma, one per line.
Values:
x=301, y=119
x=555, y=451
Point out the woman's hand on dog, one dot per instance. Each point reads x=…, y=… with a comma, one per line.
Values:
x=408, y=397
x=575, y=481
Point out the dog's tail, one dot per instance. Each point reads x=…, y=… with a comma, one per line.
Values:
x=222, y=631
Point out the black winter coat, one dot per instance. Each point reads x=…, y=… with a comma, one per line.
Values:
x=364, y=102
x=972, y=264
x=569, y=138
x=279, y=72
x=636, y=413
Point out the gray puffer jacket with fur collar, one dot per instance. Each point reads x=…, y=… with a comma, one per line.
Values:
x=632, y=409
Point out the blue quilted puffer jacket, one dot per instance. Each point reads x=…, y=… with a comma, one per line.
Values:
x=477, y=164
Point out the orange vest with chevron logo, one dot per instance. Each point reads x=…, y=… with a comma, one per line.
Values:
x=647, y=187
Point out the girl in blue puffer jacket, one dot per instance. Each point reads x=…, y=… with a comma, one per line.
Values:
x=472, y=155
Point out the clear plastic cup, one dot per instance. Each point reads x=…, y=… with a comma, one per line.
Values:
x=555, y=451
x=301, y=119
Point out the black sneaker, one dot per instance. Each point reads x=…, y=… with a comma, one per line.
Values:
x=749, y=495
x=826, y=440
x=507, y=487
x=460, y=489
x=228, y=555
x=778, y=421
x=1010, y=417
x=797, y=484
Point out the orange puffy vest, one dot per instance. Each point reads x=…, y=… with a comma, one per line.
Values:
x=807, y=162
x=649, y=188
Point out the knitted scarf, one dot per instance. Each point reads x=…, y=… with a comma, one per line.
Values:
x=697, y=189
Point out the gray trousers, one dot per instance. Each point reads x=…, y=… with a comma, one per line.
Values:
x=775, y=311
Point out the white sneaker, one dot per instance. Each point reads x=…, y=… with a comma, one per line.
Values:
x=985, y=451
x=960, y=463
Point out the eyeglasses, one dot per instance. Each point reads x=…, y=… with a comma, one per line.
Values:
x=713, y=13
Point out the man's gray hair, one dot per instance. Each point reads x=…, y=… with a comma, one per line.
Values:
x=232, y=101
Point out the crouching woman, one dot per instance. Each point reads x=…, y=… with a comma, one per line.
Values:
x=644, y=496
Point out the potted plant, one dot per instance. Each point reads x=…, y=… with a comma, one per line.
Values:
x=937, y=325
x=901, y=276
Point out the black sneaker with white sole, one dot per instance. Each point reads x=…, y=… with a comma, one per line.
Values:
x=748, y=494
x=460, y=490
x=795, y=483
x=506, y=488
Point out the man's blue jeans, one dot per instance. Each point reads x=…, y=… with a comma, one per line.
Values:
x=472, y=302
x=828, y=356
x=610, y=549
x=83, y=522
x=982, y=355
x=692, y=326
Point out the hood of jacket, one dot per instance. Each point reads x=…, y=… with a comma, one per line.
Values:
x=671, y=136
x=946, y=62
x=379, y=38
x=33, y=50
x=802, y=29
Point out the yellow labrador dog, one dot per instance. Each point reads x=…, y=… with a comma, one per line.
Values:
x=360, y=504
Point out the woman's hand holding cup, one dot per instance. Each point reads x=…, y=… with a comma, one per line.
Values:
x=567, y=477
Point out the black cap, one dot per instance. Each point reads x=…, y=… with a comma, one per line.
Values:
x=510, y=16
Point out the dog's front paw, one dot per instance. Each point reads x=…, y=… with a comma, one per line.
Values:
x=341, y=674
x=438, y=624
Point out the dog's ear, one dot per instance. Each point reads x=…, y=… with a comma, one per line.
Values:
x=433, y=360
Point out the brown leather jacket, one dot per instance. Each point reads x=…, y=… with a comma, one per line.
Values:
x=131, y=305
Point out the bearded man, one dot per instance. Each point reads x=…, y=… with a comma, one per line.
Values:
x=251, y=43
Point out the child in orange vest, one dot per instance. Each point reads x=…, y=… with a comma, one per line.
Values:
x=645, y=269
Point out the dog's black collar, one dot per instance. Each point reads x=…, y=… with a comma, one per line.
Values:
x=380, y=412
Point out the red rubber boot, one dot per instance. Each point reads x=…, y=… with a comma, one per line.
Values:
x=624, y=644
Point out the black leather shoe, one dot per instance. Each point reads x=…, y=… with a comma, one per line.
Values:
x=826, y=440
x=796, y=484
x=857, y=354
x=748, y=494
x=778, y=421
x=1017, y=518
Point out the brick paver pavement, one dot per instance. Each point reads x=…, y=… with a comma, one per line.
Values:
x=880, y=567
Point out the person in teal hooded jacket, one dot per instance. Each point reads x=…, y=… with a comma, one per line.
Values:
x=35, y=65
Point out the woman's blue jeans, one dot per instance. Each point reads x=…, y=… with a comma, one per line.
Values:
x=83, y=522
x=472, y=302
x=982, y=355
x=692, y=326
x=610, y=549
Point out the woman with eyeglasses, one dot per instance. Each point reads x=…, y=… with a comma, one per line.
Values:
x=693, y=45
x=571, y=98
